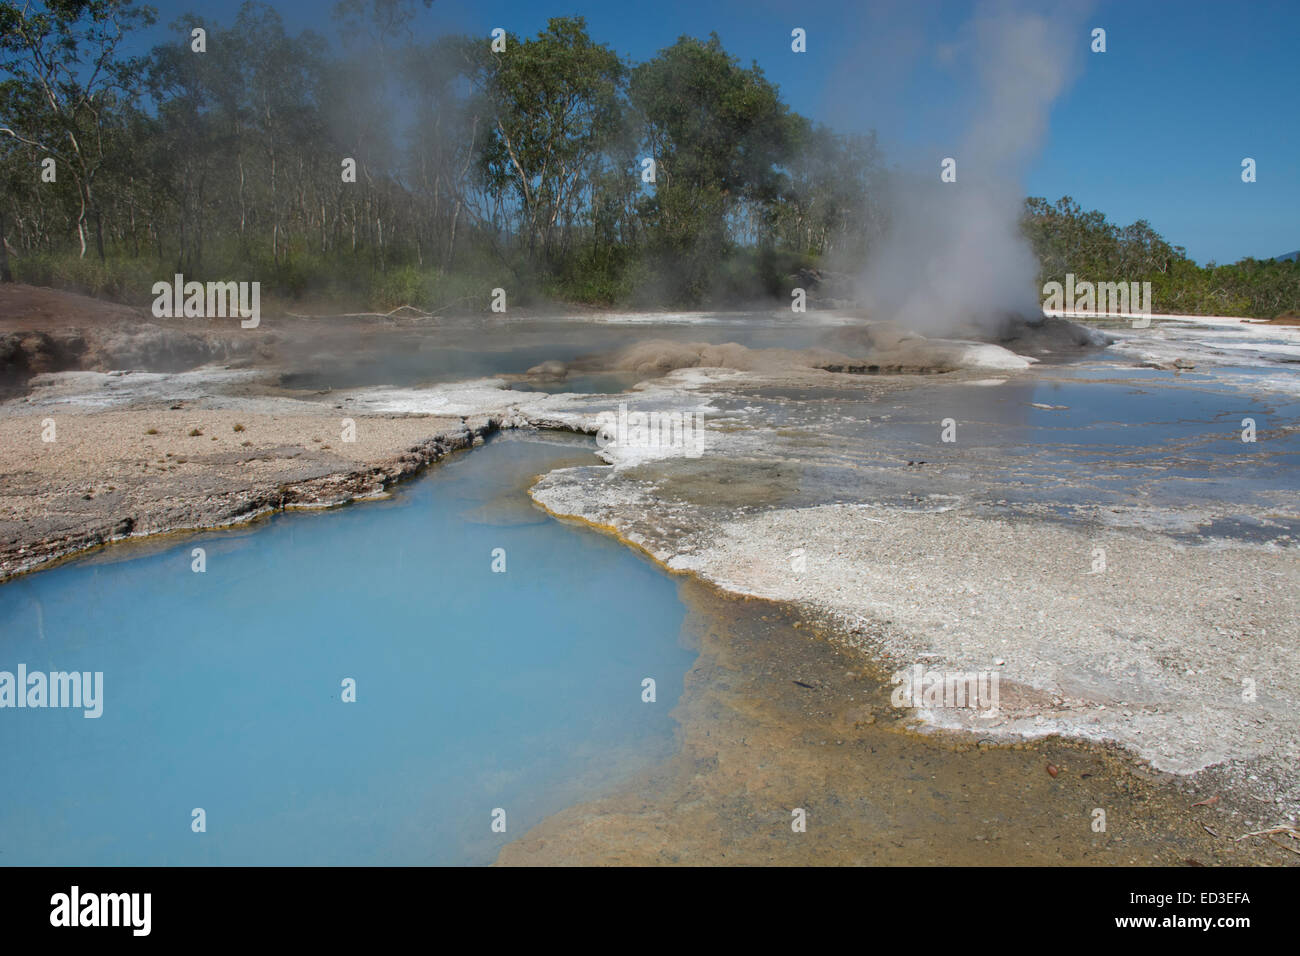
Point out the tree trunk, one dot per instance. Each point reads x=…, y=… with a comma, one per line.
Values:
x=451, y=242
x=99, y=233
x=5, y=274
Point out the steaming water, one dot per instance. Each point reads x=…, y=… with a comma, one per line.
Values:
x=475, y=690
x=348, y=358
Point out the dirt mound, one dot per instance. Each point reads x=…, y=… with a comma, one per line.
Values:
x=27, y=308
x=45, y=330
x=660, y=356
x=882, y=348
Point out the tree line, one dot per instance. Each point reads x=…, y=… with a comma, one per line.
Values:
x=388, y=169
x=1068, y=238
x=396, y=161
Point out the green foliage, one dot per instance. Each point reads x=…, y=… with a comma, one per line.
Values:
x=556, y=114
x=828, y=205
x=720, y=136
x=428, y=289
x=66, y=86
x=474, y=169
x=1067, y=239
x=119, y=278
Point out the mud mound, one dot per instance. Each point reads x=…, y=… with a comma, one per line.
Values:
x=655, y=357
x=1050, y=335
x=883, y=348
x=45, y=330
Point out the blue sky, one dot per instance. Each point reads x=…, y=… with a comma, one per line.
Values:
x=1155, y=128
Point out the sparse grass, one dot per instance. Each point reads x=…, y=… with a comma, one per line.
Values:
x=307, y=280
x=238, y=427
x=152, y=431
x=120, y=278
x=196, y=432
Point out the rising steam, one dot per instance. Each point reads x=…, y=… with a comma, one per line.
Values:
x=953, y=254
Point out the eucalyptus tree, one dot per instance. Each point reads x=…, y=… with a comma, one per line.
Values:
x=15, y=187
x=829, y=207
x=556, y=106
x=283, y=75
x=186, y=150
x=450, y=122
x=9, y=186
x=67, y=72
x=720, y=136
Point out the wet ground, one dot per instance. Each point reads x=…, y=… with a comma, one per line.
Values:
x=1065, y=442
x=974, y=553
x=352, y=354
x=1097, y=531
x=777, y=718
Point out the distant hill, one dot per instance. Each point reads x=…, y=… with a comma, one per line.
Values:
x=1289, y=257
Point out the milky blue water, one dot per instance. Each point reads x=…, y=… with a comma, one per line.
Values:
x=475, y=690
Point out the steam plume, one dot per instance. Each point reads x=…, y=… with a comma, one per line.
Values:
x=953, y=253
